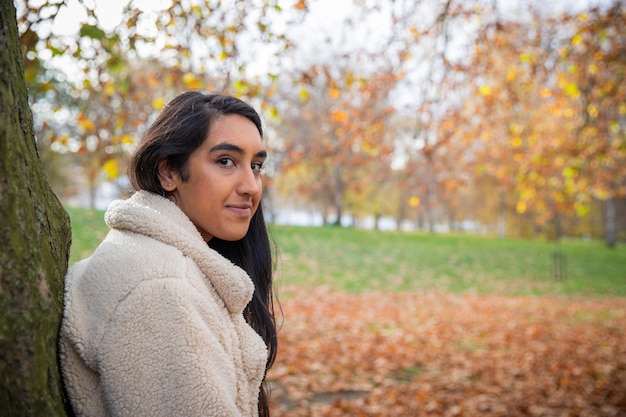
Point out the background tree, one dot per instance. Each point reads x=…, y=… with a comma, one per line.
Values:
x=592, y=74
x=33, y=256
x=99, y=87
x=508, y=115
x=546, y=100
x=338, y=134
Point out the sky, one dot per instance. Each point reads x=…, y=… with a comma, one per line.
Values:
x=325, y=16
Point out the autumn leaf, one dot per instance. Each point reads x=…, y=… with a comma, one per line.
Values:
x=511, y=74
x=334, y=93
x=158, y=103
x=571, y=89
x=339, y=116
x=85, y=123
x=273, y=112
x=109, y=89
x=485, y=90
x=111, y=169
x=191, y=81
x=241, y=87
x=304, y=94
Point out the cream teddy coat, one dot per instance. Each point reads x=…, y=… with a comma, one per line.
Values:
x=153, y=323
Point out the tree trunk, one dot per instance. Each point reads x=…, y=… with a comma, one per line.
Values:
x=610, y=235
x=430, y=206
x=501, y=227
x=377, y=217
x=401, y=213
x=35, y=236
x=431, y=196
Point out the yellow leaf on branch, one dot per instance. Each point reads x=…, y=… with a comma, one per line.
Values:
x=86, y=124
x=526, y=57
x=515, y=128
x=545, y=92
x=485, y=90
x=111, y=169
x=511, y=74
x=339, y=116
x=274, y=114
x=614, y=127
x=581, y=209
x=191, y=81
x=570, y=172
x=571, y=89
x=304, y=94
x=109, y=89
x=559, y=161
x=516, y=141
x=592, y=110
x=593, y=69
x=158, y=103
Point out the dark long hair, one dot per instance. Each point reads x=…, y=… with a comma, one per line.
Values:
x=180, y=128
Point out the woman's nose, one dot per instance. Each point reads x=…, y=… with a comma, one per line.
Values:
x=250, y=182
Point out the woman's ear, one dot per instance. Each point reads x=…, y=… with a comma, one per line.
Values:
x=167, y=177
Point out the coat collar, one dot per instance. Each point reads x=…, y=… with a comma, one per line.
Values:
x=157, y=217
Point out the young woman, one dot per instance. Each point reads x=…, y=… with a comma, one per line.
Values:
x=172, y=314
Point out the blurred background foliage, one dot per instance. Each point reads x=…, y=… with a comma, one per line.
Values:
x=492, y=116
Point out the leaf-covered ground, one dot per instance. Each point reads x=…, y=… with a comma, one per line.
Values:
x=438, y=354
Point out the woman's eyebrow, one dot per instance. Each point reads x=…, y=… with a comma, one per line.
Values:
x=224, y=146
x=227, y=147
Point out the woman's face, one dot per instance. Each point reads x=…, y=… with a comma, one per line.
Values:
x=224, y=187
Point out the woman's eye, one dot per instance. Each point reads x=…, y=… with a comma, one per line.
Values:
x=258, y=167
x=226, y=162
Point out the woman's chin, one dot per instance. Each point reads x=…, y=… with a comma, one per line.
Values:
x=232, y=235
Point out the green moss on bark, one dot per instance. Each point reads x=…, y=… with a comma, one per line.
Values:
x=35, y=236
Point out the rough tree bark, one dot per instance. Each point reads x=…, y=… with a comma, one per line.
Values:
x=34, y=247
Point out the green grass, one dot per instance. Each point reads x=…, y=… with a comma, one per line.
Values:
x=88, y=230
x=358, y=260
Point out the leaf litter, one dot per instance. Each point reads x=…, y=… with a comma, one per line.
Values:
x=440, y=354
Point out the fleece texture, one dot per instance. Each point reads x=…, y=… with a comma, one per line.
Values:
x=153, y=323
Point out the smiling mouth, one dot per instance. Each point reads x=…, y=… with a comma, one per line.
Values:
x=243, y=210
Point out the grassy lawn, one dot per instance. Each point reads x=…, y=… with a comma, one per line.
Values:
x=88, y=230
x=357, y=260
x=360, y=260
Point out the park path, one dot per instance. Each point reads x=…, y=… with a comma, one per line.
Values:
x=439, y=354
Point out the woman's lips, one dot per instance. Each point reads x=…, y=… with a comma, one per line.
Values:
x=241, y=210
